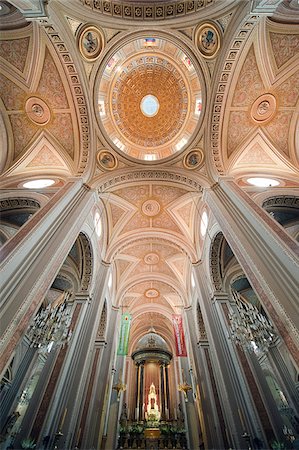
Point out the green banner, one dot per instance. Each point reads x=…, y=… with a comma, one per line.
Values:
x=124, y=334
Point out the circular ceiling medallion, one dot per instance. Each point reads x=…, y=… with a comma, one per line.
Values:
x=91, y=42
x=149, y=102
x=150, y=208
x=107, y=160
x=149, y=105
x=264, y=108
x=37, y=111
x=151, y=259
x=207, y=39
x=152, y=293
x=193, y=159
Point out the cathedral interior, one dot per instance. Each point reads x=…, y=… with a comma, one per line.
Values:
x=149, y=160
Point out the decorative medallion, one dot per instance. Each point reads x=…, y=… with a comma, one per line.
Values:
x=263, y=109
x=151, y=208
x=107, y=160
x=151, y=259
x=193, y=159
x=207, y=39
x=152, y=293
x=37, y=111
x=91, y=42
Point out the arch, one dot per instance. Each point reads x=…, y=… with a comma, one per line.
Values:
x=127, y=239
x=87, y=261
x=202, y=335
x=103, y=322
x=15, y=211
x=167, y=281
x=214, y=261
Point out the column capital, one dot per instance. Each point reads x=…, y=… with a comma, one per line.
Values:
x=100, y=343
x=203, y=343
x=219, y=296
x=82, y=297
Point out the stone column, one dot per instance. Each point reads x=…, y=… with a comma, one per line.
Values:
x=114, y=407
x=209, y=409
x=166, y=391
x=266, y=396
x=45, y=370
x=188, y=406
x=141, y=389
x=266, y=253
x=283, y=375
x=9, y=397
x=34, y=255
x=70, y=389
x=92, y=423
x=167, y=398
x=237, y=405
x=162, y=391
x=137, y=390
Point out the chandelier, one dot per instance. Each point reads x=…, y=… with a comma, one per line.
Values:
x=51, y=326
x=250, y=329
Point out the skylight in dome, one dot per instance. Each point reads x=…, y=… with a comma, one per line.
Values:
x=38, y=184
x=149, y=105
x=262, y=182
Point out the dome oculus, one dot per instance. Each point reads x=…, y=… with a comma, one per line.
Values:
x=149, y=105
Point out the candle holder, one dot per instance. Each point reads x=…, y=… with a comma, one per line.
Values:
x=119, y=387
x=184, y=387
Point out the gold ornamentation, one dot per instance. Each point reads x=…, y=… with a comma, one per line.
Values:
x=135, y=75
x=119, y=387
x=91, y=42
x=107, y=160
x=208, y=39
x=193, y=159
x=184, y=387
x=149, y=77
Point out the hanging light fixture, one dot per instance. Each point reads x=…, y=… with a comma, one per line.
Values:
x=51, y=326
x=250, y=329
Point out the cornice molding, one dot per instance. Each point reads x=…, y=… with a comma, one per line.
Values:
x=149, y=175
x=147, y=11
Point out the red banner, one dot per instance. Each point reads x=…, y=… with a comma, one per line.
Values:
x=177, y=323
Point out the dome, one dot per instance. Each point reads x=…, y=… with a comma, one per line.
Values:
x=151, y=341
x=149, y=99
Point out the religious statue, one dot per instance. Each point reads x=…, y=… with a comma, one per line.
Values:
x=153, y=412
